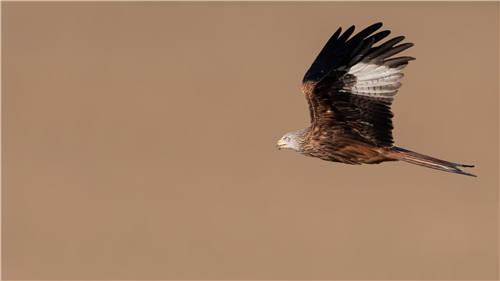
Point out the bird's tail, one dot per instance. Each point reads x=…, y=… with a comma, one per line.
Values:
x=402, y=154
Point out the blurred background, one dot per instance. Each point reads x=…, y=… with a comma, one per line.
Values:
x=139, y=142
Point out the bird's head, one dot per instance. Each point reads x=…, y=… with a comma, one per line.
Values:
x=291, y=140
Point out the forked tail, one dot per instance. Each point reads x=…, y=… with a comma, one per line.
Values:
x=429, y=162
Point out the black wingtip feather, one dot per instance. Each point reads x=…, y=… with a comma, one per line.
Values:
x=394, y=50
x=344, y=49
x=336, y=34
x=347, y=34
x=366, y=32
x=359, y=54
x=395, y=62
x=380, y=35
x=375, y=52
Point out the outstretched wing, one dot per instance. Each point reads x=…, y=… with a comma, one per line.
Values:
x=351, y=84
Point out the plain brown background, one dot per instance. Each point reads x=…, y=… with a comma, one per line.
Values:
x=139, y=143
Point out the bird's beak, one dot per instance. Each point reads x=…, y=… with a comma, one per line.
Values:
x=280, y=144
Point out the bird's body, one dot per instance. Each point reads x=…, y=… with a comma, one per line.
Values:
x=350, y=88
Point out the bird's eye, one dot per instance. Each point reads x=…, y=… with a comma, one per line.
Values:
x=287, y=138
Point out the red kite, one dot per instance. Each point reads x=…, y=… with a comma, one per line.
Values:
x=349, y=88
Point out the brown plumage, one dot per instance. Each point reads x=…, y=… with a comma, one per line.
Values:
x=349, y=88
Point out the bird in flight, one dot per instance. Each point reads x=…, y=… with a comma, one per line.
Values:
x=350, y=87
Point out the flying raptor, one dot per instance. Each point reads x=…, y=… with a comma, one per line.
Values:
x=350, y=87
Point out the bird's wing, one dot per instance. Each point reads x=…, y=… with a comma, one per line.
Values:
x=352, y=82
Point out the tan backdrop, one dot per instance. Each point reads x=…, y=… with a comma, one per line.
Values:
x=139, y=142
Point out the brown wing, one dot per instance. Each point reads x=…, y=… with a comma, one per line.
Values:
x=351, y=84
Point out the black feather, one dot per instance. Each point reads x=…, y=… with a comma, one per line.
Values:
x=358, y=55
x=343, y=38
x=395, y=50
x=367, y=31
x=379, y=36
x=375, y=52
x=395, y=62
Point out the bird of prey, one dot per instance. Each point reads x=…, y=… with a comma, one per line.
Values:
x=349, y=88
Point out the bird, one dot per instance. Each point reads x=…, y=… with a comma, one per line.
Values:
x=350, y=87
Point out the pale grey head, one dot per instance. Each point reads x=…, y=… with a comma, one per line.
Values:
x=292, y=140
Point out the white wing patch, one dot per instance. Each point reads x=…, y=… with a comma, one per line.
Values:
x=375, y=80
